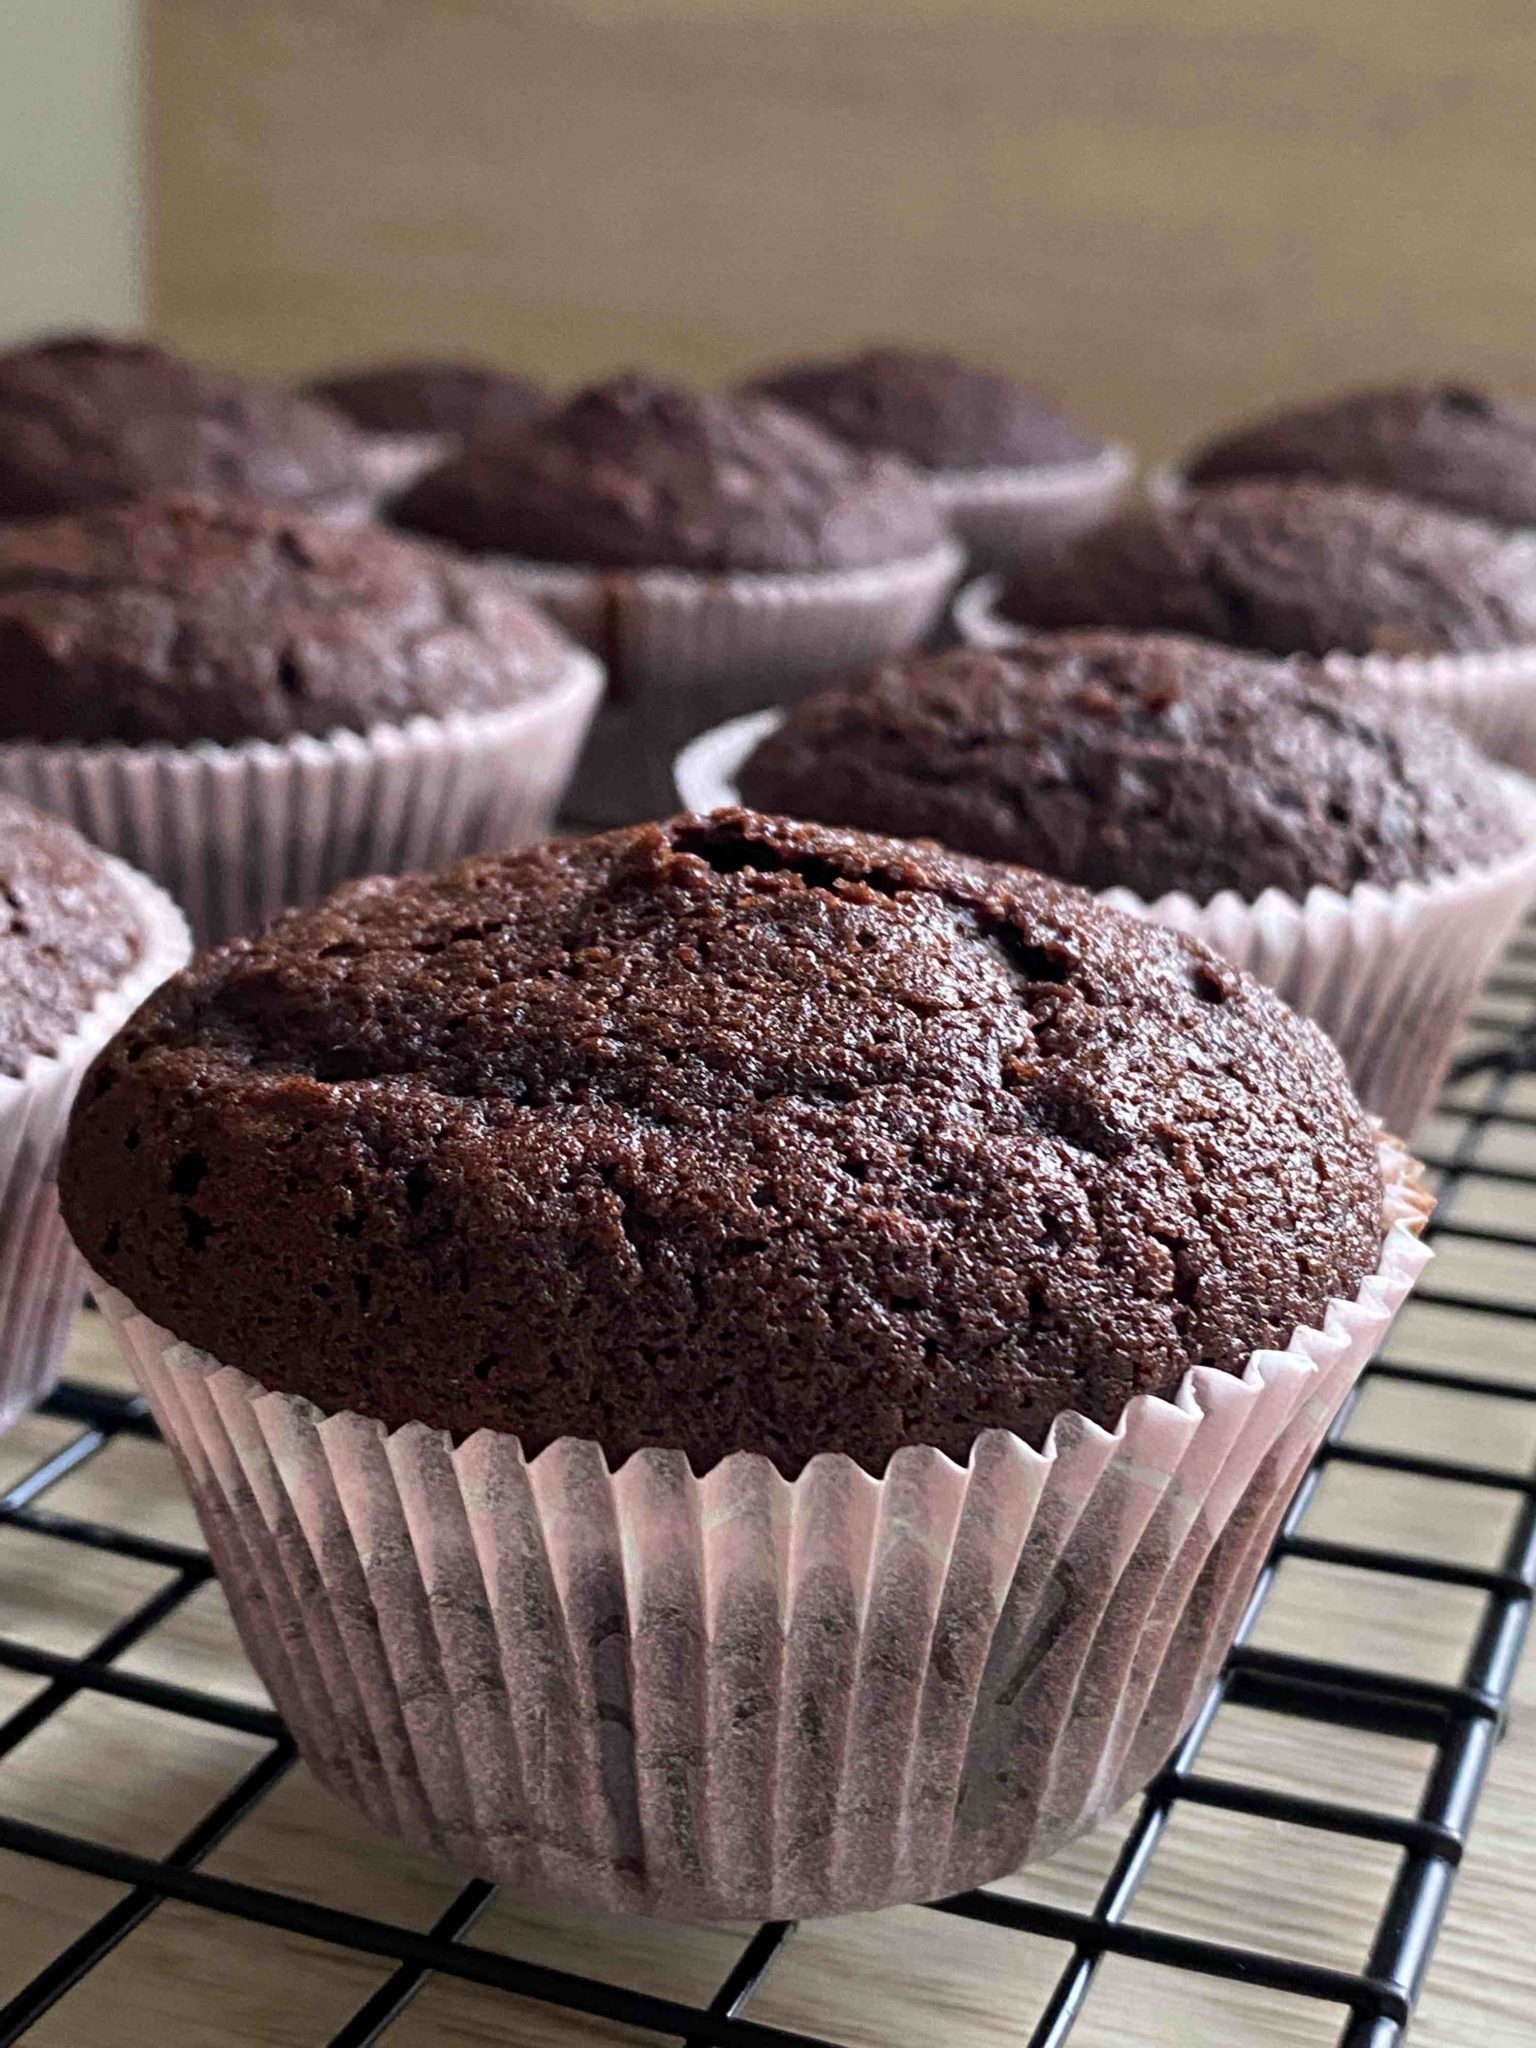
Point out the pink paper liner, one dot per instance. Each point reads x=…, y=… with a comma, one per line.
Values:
x=738, y=1696
x=1390, y=974
x=42, y=1276
x=1002, y=515
x=684, y=650
x=237, y=833
x=1492, y=696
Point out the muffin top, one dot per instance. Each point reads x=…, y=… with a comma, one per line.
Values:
x=1291, y=568
x=636, y=474
x=1141, y=760
x=88, y=420
x=462, y=399
x=933, y=408
x=67, y=932
x=1442, y=442
x=726, y=1134
x=182, y=619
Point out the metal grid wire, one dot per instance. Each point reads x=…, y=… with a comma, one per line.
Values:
x=1460, y=1723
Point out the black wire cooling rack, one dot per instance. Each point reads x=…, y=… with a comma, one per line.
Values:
x=1459, y=1722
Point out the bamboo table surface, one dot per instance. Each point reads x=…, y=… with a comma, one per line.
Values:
x=120, y=1773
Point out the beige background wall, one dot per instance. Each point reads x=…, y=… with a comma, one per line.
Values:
x=1168, y=210
x=71, y=218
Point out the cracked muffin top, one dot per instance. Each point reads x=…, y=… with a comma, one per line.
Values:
x=67, y=932
x=1142, y=760
x=935, y=409
x=462, y=399
x=185, y=619
x=91, y=420
x=637, y=474
x=1291, y=568
x=1447, y=443
x=725, y=1134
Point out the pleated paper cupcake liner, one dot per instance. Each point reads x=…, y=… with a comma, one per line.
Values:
x=1389, y=973
x=684, y=650
x=1001, y=516
x=237, y=833
x=1491, y=696
x=738, y=1695
x=42, y=1277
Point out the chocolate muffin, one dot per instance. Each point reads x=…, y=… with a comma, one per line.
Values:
x=67, y=933
x=1446, y=443
x=184, y=619
x=727, y=1134
x=83, y=940
x=462, y=400
x=935, y=409
x=1291, y=568
x=89, y=420
x=633, y=474
x=1144, y=761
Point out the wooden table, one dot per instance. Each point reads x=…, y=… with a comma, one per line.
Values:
x=127, y=1775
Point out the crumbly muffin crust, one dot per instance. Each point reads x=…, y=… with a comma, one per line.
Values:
x=1143, y=760
x=727, y=1134
x=67, y=932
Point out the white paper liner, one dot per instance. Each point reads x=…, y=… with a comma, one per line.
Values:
x=237, y=833
x=1389, y=973
x=1163, y=483
x=391, y=463
x=1003, y=515
x=704, y=773
x=684, y=650
x=977, y=619
x=740, y=1696
x=351, y=507
x=42, y=1276
x=1491, y=696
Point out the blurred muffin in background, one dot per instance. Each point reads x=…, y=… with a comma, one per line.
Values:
x=719, y=553
x=91, y=419
x=1013, y=473
x=252, y=703
x=413, y=415
x=463, y=400
x=1449, y=444
x=633, y=473
x=1291, y=568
